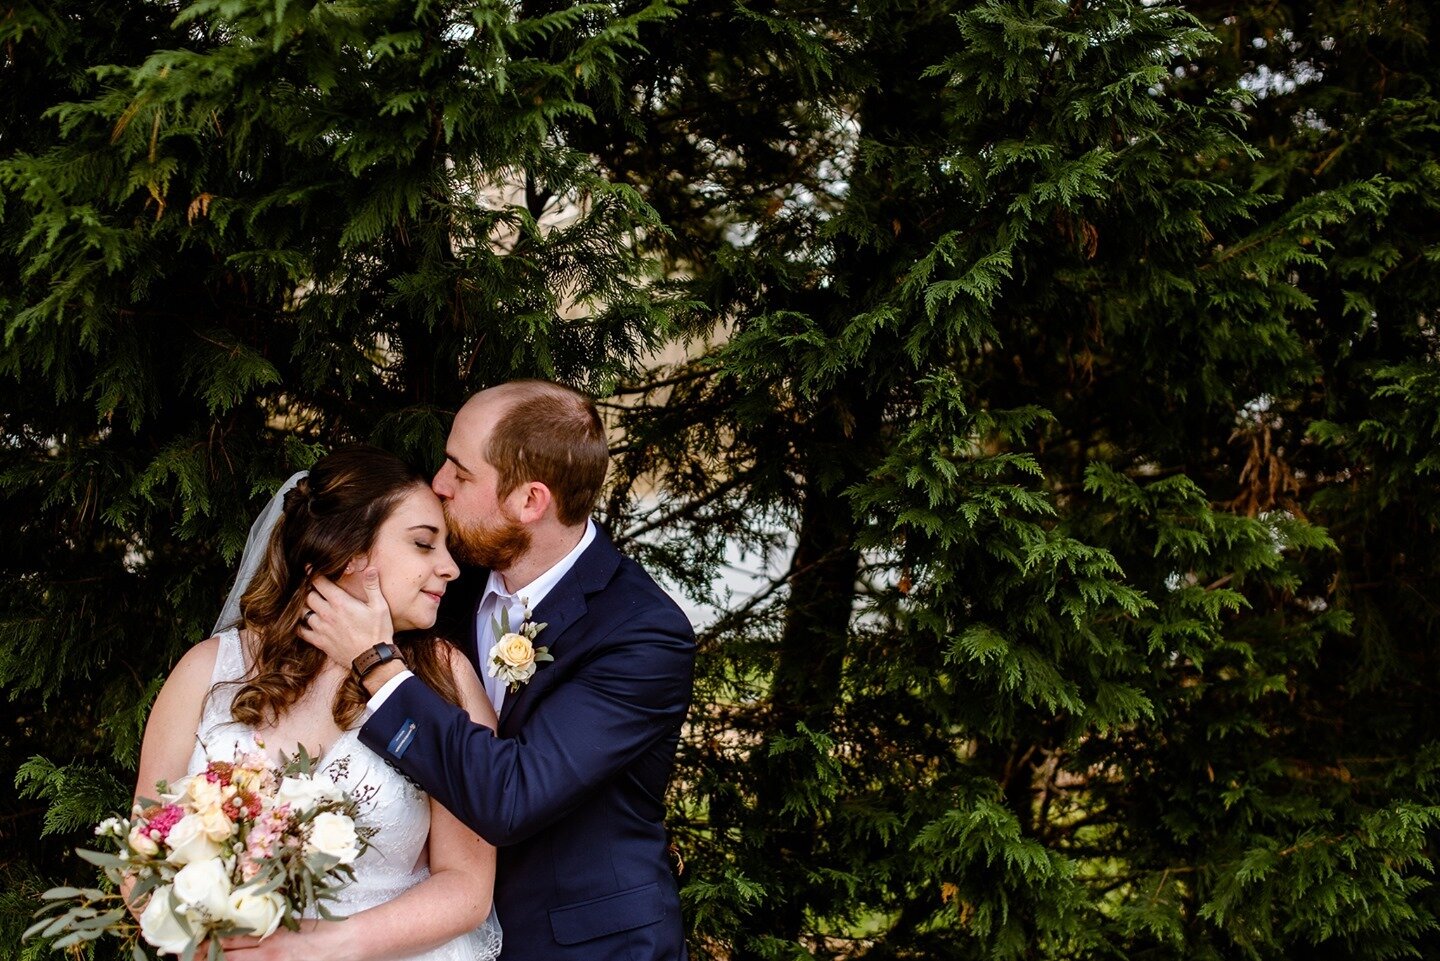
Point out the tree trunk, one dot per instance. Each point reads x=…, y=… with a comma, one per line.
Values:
x=806, y=688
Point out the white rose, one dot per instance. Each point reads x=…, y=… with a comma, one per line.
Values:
x=218, y=826
x=204, y=886
x=142, y=843
x=160, y=924
x=179, y=789
x=334, y=835
x=204, y=792
x=258, y=914
x=304, y=793
x=188, y=841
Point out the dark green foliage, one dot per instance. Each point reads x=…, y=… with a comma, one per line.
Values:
x=1074, y=363
x=1087, y=362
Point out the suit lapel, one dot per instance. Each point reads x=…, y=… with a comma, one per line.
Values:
x=559, y=611
x=562, y=607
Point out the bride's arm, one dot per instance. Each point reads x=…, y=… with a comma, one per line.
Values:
x=456, y=898
x=174, y=719
x=170, y=729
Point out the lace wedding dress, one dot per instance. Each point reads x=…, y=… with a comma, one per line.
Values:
x=397, y=857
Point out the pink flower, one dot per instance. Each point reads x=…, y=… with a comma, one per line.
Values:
x=219, y=772
x=253, y=771
x=260, y=842
x=253, y=761
x=159, y=826
x=243, y=805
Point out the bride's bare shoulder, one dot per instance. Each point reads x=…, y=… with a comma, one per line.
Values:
x=179, y=704
x=196, y=665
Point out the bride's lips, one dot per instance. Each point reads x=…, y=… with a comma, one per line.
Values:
x=434, y=595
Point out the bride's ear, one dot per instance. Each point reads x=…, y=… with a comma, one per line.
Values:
x=357, y=563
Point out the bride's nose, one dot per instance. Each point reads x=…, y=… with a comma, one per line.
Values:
x=445, y=566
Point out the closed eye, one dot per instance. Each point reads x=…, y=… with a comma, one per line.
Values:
x=461, y=473
x=432, y=532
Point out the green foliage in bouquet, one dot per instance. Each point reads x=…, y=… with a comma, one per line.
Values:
x=284, y=871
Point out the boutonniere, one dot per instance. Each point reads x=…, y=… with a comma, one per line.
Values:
x=514, y=657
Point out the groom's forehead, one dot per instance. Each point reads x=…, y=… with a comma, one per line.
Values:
x=471, y=427
x=484, y=407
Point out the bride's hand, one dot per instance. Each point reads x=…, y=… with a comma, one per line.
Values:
x=342, y=626
x=308, y=944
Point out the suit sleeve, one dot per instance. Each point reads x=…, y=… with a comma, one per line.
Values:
x=633, y=693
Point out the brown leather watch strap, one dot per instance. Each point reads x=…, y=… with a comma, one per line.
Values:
x=367, y=661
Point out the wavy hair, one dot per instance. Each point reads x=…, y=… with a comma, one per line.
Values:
x=328, y=519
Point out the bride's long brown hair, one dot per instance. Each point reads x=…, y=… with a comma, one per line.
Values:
x=329, y=518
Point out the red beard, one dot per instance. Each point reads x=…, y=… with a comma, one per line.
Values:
x=496, y=548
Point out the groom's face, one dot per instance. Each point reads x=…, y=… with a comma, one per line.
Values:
x=484, y=530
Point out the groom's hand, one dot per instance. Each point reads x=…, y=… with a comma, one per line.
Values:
x=342, y=626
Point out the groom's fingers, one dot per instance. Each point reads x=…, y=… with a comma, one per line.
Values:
x=319, y=604
x=371, y=580
x=343, y=625
x=323, y=593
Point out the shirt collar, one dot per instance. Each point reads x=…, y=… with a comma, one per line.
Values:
x=537, y=590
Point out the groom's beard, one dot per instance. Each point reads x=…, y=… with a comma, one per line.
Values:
x=497, y=547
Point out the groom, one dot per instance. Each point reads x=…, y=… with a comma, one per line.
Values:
x=572, y=790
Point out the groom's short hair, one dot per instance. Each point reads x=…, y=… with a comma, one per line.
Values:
x=552, y=434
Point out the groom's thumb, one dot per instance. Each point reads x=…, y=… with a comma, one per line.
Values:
x=371, y=580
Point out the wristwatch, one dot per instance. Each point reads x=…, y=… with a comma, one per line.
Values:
x=367, y=661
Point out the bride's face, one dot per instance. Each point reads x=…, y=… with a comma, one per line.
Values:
x=415, y=565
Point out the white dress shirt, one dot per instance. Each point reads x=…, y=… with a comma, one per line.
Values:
x=491, y=600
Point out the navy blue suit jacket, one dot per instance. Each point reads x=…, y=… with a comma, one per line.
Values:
x=572, y=790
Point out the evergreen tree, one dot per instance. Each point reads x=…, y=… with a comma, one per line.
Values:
x=1045, y=345
x=235, y=235
x=1076, y=361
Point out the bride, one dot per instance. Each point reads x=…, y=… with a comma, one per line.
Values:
x=422, y=891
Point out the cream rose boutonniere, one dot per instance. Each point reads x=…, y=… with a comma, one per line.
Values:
x=515, y=657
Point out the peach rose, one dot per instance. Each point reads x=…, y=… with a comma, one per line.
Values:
x=517, y=651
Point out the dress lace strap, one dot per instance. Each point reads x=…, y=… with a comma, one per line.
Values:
x=229, y=666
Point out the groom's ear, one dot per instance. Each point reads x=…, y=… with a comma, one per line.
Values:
x=537, y=502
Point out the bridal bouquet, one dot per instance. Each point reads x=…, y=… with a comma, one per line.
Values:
x=241, y=848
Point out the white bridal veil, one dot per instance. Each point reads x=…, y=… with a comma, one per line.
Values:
x=255, y=545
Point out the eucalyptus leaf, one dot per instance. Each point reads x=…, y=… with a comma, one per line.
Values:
x=103, y=921
x=55, y=894
x=101, y=859
x=36, y=928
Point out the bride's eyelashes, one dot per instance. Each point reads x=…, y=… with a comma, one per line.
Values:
x=424, y=546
